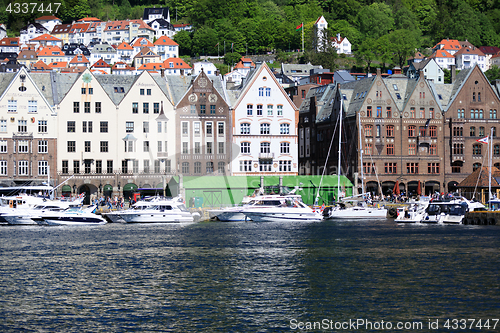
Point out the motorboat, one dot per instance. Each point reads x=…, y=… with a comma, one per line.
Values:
x=278, y=208
x=359, y=210
x=71, y=216
x=115, y=216
x=413, y=212
x=25, y=216
x=162, y=210
x=451, y=211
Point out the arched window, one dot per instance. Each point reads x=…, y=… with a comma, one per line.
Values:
x=412, y=129
x=496, y=150
x=265, y=128
x=476, y=166
x=197, y=167
x=456, y=167
x=285, y=148
x=368, y=130
x=245, y=128
x=265, y=147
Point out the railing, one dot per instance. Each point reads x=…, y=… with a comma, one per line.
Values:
x=266, y=156
x=22, y=136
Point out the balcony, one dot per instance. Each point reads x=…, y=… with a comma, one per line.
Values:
x=22, y=136
x=266, y=156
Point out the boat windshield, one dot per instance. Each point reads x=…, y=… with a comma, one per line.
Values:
x=182, y=208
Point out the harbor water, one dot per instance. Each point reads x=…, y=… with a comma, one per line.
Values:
x=250, y=277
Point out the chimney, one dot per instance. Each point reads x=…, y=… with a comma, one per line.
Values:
x=453, y=74
x=396, y=70
x=421, y=73
x=379, y=72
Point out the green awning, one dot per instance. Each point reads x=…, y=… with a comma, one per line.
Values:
x=66, y=188
x=130, y=187
x=108, y=187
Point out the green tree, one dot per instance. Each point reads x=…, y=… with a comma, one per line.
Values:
x=403, y=44
x=493, y=73
x=365, y=54
x=375, y=20
x=204, y=41
x=232, y=58
x=73, y=10
x=183, y=38
x=345, y=29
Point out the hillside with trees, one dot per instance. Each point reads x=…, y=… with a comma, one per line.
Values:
x=386, y=32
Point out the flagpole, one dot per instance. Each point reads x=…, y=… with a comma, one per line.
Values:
x=490, y=141
x=302, y=37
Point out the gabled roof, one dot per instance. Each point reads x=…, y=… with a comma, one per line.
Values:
x=124, y=46
x=141, y=42
x=47, y=18
x=30, y=54
x=145, y=52
x=155, y=11
x=100, y=64
x=45, y=37
x=79, y=27
x=61, y=29
x=89, y=19
x=448, y=44
x=164, y=24
x=441, y=54
x=164, y=40
x=480, y=178
x=460, y=80
x=79, y=59
x=178, y=63
x=152, y=66
x=467, y=51
x=110, y=82
x=489, y=49
x=60, y=64
x=122, y=66
x=125, y=24
x=319, y=18
x=10, y=41
x=49, y=51
x=40, y=66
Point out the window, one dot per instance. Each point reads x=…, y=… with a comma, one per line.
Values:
x=42, y=126
x=284, y=128
x=472, y=131
x=212, y=109
x=32, y=106
x=377, y=131
x=268, y=92
x=141, y=92
x=185, y=167
x=76, y=107
x=65, y=167
x=145, y=166
x=12, y=106
x=379, y=112
x=265, y=147
x=197, y=128
x=23, y=168
x=412, y=149
x=104, y=146
x=369, y=111
x=493, y=114
x=184, y=128
x=202, y=109
x=135, y=107
x=261, y=92
x=43, y=146
x=148, y=92
x=412, y=129
x=265, y=165
x=390, y=167
x=368, y=130
x=129, y=127
x=208, y=128
x=494, y=131
x=156, y=107
x=3, y=125
x=389, y=129
x=76, y=166
x=221, y=148
x=23, y=146
x=104, y=127
x=71, y=146
x=259, y=110
x=221, y=167
x=496, y=150
x=71, y=126
x=84, y=91
x=3, y=168
x=249, y=109
x=476, y=166
x=145, y=127
x=245, y=166
x=390, y=149
x=210, y=167
x=479, y=97
x=476, y=149
x=412, y=113
x=368, y=148
x=86, y=107
x=433, y=149
x=285, y=148
x=145, y=147
x=422, y=113
x=185, y=148
x=220, y=128
x=197, y=167
x=265, y=128
x=368, y=168
x=433, y=131
x=412, y=168
x=389, y=112
x=145, y=107
x=269, y=110
x=98, y=166
x=279, y=110
x=461, y=113
x=285, y=165
x=87, y=146
x=433, y=168
x=3, y=146
x=97, y=107
x=209, y=148
x=421, y=131
x=244, y=128
x=245, y=148
x=431, y=113
x=109, y=167
x=458, y=131
x=22, y=126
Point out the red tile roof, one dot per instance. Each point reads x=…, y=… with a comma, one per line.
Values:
x=466, y=50
x=47, y=18
x=449, y=44
x=45, y=37
x=79, y=59
x=59, y=64
x=47, y=51
x=124, y=46
x=178, y=63
x=101, y=64
x=164, y=40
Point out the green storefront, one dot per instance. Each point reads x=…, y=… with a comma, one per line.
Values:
x=217, y=191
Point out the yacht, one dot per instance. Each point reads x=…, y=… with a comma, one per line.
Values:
x=360, y=210
x=162, y=210
x=413, y=212
x=450, y=212
x=71, y=216
x=25, y=216
x=278, y=208
x=115, y=216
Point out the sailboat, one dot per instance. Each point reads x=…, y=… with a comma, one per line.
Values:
x=360, y=210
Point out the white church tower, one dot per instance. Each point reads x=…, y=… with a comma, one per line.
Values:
x=320, y=28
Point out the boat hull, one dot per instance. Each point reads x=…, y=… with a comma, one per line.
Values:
x=375, y=213
x=276, y=216
x=227, y=215
x=157, y=218
x=70, y=220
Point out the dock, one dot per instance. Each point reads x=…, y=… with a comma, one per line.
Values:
x=482, y=218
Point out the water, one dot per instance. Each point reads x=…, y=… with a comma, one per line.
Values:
x=247, y=277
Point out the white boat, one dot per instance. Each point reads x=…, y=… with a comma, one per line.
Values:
x=162, y=210
x=115, y=216
x=278, y=208
x=71, y=216
x=357, y=212
x=450, y=212
x=25, y=216
x=413, y=212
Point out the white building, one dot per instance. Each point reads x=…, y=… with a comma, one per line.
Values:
x=320, y=29
x=265, y=126
x=467, y=58
x=207, y=67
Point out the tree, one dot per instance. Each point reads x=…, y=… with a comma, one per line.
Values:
x=366, y=54
x=204, y=41
x=232, y=58
x=73, y=10
x=183, y=38
x=403, y=44
x=375, y=20
x=493, y=73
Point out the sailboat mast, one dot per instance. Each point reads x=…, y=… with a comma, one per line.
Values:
x=340, y=146
x=361, y=155
x=490, y=141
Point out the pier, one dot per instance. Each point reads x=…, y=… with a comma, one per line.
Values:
x=482, y=218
